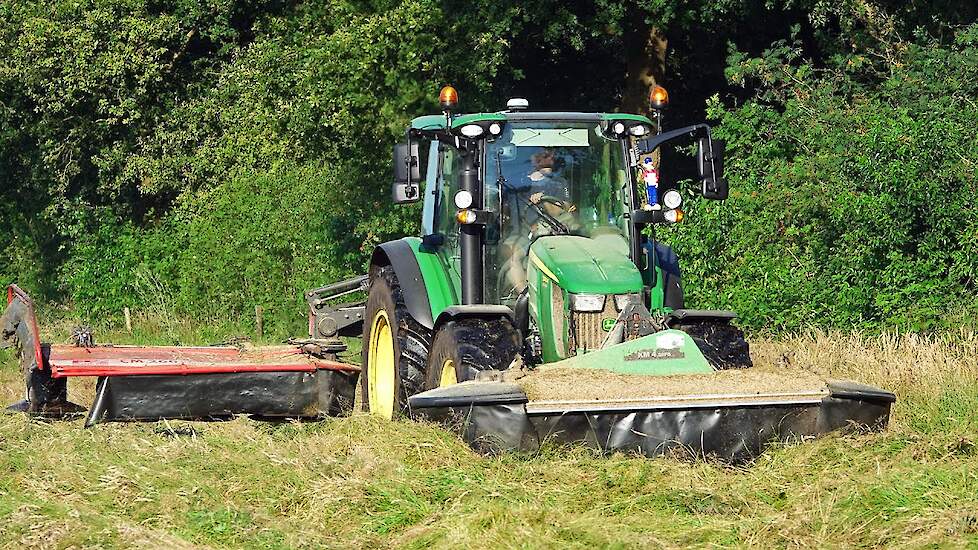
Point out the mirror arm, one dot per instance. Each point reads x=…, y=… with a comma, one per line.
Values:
x=654, y=142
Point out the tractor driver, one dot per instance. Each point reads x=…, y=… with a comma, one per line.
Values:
x=544, y=183
x=549, y=192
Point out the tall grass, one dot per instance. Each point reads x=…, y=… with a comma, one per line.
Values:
x=360, y=482
x=935, y=377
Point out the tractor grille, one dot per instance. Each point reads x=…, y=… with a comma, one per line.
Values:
x=588, y=333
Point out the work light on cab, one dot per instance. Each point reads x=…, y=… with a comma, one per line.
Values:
x=673, y=216
x=672, y=199
x=466, y=216
x=463, y=199
x=472, y=130
x=639, y=130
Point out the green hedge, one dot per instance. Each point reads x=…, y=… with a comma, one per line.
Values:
x=259, y=239
x=853, y=192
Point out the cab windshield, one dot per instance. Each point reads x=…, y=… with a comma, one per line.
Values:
x=551, y=178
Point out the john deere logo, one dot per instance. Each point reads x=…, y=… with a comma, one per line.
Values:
x=607, y=324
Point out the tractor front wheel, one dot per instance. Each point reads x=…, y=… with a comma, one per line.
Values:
x=395, y=348
x=463, y=347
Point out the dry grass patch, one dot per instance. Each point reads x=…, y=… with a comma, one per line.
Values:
x=564, y=383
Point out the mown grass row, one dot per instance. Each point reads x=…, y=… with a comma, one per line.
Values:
x=360, y=482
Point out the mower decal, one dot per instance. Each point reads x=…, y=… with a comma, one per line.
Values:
x=655, y=354
x=652, y=354
x=608, y=324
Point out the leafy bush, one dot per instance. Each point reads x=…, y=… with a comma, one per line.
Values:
x=853, y=191
x=206, y=160
x=258, y=239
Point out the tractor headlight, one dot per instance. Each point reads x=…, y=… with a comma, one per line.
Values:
x=587, y=302
x=471, y=130
x=624, y=300
x=672, y=199
x=463, y=199
x=618, y=128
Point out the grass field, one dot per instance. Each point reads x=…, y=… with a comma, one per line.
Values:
x=364, y=483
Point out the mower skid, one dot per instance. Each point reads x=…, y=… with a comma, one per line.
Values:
x=149, y=383
x=498, y=416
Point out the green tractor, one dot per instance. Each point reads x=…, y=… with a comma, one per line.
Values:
x=537, y=303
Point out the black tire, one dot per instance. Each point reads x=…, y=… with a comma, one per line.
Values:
x=473, y=345
x=723, y=344
x=411, y=340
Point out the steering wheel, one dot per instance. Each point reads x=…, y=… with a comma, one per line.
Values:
x=559, y=203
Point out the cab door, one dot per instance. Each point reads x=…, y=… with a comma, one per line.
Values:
x=441, y=221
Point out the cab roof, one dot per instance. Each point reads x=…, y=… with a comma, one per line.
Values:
x=437, y=122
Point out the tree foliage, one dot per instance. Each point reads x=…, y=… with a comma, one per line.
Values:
x=205, y=157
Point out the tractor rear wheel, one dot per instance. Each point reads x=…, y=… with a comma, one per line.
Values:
x=463, y=347
x=395, y=348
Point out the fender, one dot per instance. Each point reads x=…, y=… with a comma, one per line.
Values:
x=427, y=290
x=475, y=310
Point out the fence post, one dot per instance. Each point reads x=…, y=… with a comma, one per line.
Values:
x=259, y=328
x=128, y=315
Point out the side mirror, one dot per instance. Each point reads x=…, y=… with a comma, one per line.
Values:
x=407, y=173
x=709, y=162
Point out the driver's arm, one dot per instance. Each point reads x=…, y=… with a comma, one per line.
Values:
x=553, y=206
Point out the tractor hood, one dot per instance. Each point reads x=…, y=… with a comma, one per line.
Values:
x=597, y=265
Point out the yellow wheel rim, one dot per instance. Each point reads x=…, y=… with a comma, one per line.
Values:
x=448, y=376
x=381, y=382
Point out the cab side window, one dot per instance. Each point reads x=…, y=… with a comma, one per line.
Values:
x=451, y=163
